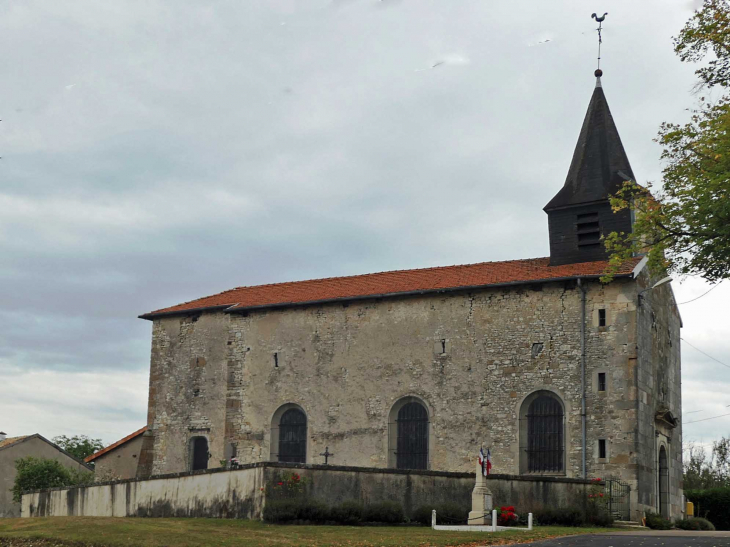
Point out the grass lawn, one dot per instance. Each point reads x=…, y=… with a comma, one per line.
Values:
x=95, y=531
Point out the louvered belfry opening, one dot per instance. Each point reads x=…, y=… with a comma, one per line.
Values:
x=412, y=445
x=545, y=435
x=293, y=437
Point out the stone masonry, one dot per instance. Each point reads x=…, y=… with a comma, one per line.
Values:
x=470, y=357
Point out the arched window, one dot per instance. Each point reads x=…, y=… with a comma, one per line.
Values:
x=199, y=453
x=411, y=434
x=542, y=438
x=293, y=436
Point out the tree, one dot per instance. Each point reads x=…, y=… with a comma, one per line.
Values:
x=79, y=446
x=39, y=473
x=685, y=227
x=701, y=473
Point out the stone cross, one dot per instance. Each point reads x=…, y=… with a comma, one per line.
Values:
x=481, y=501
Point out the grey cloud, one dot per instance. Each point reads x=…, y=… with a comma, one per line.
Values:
x=178, y=165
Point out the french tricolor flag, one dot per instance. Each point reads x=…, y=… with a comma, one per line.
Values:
x=485, y=461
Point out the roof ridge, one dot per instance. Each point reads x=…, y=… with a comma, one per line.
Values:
x=338, y=277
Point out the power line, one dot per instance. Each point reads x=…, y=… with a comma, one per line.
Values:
x=703, y=294
x=705, y=354
x=705, y=419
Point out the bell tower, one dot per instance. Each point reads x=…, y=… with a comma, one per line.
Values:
x=580, y=213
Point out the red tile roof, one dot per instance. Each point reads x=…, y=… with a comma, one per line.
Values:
x=115, y=445
x=393, y=283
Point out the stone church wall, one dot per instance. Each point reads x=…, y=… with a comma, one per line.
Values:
x=659, y=387
x=471, y=357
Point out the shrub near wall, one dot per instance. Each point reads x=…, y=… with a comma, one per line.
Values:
x=712, y=504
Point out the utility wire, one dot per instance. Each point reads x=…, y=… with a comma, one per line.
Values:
x=703, y=294
x=705, y=419
x=705, y=354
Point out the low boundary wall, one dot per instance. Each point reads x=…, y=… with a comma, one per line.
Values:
x=242, y=492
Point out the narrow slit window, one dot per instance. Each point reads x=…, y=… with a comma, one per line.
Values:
x=601, y=381
x=601, y=318
x=602, y=448
x=276, y=360
x=443, y=346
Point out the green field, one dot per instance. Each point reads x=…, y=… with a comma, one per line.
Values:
x=78, y=531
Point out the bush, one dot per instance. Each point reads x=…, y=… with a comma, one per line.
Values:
x=348, y=512
x=598, y=515
x=657, y=522
x=714, y=504
x=446, y=513
x=41, y=473
x=695, y=523
x=314, y=511
x=561, y=516
x=281, y=511
x=387, y=512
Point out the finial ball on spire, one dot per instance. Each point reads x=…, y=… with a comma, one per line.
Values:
x=598, y=73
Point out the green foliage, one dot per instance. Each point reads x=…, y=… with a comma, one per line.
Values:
x=349, y=512
x=708, y=30
x=79, y=446
x=40, y=473
x=701, y=473
x=288, y=486
x=282, y=511
x=713, y=504
x=695, y=523
x=446, y=513
x=685, y=226
x=560, y=516
x=657, y=522
x=312, y=511
x=387, y=512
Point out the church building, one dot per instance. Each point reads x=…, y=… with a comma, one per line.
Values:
x=536, y=359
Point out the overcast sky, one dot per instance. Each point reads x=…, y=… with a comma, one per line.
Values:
x=158, y=151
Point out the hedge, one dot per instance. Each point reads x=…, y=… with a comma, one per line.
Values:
x=712, y=504
x=316, y=512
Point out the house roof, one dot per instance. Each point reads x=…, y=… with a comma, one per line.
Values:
x=117, y=444
x=12, y=440
x=600, y=165
x=401, y=282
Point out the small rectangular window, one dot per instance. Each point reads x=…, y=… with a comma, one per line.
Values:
x=601, y=381
x=602, y=448
x=601, y=318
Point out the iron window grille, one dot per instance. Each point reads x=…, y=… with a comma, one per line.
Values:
x=410, y=447
x=545, y=437
x=293, y=437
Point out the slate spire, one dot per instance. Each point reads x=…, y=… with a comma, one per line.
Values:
x=600, y=165
x=580, y=213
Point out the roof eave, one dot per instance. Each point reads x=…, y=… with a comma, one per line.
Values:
x=228, y=308
x=156, y=315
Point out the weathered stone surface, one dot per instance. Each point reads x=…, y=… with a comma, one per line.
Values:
x=472, y=358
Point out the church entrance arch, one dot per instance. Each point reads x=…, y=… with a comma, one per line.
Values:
x=663, y=483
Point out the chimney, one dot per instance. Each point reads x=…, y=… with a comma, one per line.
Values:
x=3, y=435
